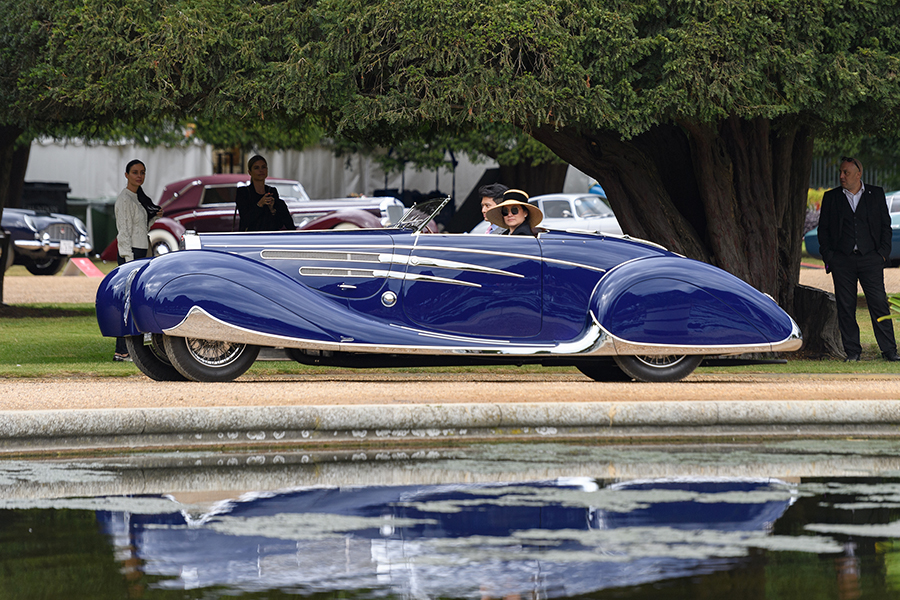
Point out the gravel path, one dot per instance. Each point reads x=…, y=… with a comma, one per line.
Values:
x=432, y=388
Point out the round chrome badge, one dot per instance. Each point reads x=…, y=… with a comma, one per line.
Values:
x=389, y=299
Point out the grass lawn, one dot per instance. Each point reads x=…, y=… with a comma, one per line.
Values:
x=72, y=346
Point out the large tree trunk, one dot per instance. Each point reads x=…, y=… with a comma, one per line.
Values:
x=8, y=137
x=18, y=166
x=544, y=178
x=733, y=194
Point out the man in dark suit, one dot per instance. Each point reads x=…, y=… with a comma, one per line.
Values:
x=855, y=242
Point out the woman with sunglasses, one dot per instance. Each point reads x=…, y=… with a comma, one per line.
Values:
x=515, y=214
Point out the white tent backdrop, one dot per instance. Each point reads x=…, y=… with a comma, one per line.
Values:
x=95, y=171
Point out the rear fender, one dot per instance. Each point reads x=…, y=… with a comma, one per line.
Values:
x=674, y=301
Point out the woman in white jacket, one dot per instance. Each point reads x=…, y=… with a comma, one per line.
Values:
x=135, y=212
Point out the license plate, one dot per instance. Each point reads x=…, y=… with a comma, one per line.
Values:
x=66, y=247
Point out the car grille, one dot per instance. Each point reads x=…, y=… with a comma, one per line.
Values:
x=60, y=231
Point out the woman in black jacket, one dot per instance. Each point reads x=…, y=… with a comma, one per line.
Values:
x=258, y=204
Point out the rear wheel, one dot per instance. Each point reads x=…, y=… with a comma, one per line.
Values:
x=45, y=266
x=670, y=367
x=603, y=370
x=151, y=358
x=207, y=360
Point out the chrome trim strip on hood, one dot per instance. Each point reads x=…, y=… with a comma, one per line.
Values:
x=376, y=274
x=380, y=258
x=363, y=247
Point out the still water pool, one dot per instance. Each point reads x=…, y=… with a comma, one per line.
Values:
x=784, y=520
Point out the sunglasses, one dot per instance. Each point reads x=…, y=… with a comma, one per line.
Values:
x=850, y=159
x=505, y=211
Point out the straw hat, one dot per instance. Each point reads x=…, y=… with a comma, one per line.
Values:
x=514, y=198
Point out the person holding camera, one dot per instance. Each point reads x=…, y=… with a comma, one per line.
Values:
x=258, y=204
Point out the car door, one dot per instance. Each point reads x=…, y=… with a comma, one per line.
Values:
x=216, y=211
x=480, y=286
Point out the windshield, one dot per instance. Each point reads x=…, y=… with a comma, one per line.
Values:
x=421, y=214
x=591, y=206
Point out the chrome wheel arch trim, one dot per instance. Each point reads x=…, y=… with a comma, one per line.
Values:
x=792, y=342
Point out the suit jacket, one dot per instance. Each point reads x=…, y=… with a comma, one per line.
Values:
x=831, y=220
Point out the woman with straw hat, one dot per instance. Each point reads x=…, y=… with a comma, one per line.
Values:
x=515, y=214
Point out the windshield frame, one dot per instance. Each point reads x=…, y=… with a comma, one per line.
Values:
x=419, y=215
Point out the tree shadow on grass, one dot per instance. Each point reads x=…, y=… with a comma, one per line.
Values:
x=8, y=311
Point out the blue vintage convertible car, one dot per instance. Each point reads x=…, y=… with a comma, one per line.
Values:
x=614, y=307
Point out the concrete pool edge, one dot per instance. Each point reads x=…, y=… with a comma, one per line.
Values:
x=348, y=425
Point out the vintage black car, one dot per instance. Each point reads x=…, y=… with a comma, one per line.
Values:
x=43, y=241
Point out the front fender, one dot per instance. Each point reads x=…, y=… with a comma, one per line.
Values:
x=233, y=289
x=675, y=301
x=113, y=300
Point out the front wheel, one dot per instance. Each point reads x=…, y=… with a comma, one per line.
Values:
x=45, y=266
x=671, y=367
x=207, y=360
x=151, y=358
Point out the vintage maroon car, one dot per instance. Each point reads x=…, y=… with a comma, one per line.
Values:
x=206, y=204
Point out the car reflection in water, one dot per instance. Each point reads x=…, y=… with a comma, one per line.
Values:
x=546, y=539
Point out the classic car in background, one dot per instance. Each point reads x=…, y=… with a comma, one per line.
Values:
x=614, y=307
x=585, y=212
x=893, y=201
x=206, y=204
x=811, y=241
x=582, y=212
x=43, y=241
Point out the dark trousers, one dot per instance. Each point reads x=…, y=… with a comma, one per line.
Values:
x=121, y=348
x=868, y=270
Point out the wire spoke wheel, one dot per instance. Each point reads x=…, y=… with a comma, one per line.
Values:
x=209, y=360
x=214, y=354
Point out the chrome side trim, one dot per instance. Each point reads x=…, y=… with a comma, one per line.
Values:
x=211, y=245
x=200, y=324
x=381, y=258
x=332, y=255
x=595, y=341
x=377, y=274
x=509, y=254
